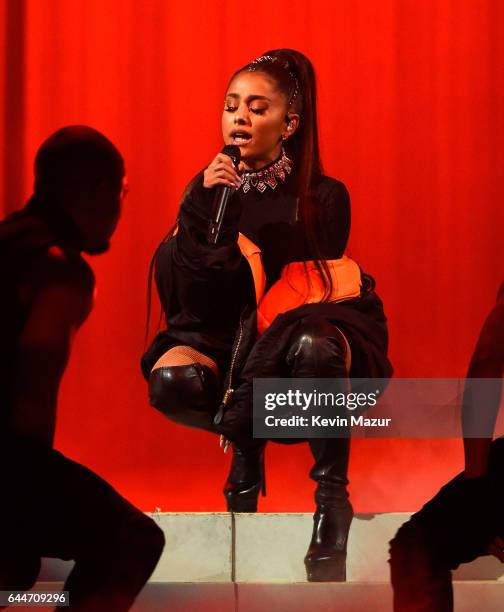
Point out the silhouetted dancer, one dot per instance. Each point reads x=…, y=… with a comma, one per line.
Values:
x=52, y=506
x=465, y=520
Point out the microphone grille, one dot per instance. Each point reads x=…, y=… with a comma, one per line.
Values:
x=233, y=152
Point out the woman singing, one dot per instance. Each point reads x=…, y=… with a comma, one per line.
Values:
x=274, y=297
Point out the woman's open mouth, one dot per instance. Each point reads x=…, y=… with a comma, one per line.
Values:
x=240, y=138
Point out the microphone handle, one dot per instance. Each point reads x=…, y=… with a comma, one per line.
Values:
x=221, y=200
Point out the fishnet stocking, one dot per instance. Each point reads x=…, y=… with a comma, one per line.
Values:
x=185, y=355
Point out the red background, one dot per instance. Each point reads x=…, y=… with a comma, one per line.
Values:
x=411, y=119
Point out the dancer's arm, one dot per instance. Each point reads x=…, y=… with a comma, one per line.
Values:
x=61, y=296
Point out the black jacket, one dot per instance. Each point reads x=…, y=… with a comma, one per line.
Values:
x=361, y=319
x=208, y=297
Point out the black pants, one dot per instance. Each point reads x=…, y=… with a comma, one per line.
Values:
x=55, y=507
x=454, y=527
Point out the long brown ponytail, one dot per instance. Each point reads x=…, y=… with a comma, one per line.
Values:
x=294, y=74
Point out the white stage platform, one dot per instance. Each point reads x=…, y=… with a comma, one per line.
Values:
x=251, y=562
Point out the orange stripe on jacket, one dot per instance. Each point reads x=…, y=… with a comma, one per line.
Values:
x=253, y=255
x=300, y=283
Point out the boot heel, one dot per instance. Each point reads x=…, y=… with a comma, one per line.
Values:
x=325, y=560
x=243, y=501
x=326, y=570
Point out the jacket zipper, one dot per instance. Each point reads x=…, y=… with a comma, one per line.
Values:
x=228, y=393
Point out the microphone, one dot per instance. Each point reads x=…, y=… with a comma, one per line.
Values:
x=222, y=195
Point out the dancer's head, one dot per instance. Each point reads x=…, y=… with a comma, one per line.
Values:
x=79, y=186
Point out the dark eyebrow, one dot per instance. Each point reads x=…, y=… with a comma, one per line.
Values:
x=250, y=98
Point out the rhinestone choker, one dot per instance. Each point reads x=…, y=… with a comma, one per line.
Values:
x=267, y=176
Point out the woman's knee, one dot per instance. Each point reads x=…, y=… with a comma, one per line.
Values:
x=186, y=394
x=318, y=348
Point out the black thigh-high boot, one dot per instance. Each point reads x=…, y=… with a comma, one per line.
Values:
x=186, y=394
x=319, y=349
x=246, y=476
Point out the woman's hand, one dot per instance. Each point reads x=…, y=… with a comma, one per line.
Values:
x=221, y=171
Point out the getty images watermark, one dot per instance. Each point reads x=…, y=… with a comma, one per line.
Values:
x=410, y=408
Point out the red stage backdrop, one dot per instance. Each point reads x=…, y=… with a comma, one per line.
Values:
x=411, y=119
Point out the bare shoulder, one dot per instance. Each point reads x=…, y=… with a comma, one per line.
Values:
x=63, y=279
x=21, y=232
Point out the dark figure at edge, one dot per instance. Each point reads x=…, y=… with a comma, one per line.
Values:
x=55, y=507
x=465, y=520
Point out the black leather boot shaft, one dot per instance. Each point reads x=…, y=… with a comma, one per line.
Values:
x=320, y=350
x=331, y=456
x=246, y=477
x=326, y=557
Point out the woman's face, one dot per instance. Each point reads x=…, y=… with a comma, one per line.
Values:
x=254, y=118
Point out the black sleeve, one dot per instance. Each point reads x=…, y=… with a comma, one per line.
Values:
x=203, y=288
x=332, y=223
x=335, y=217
